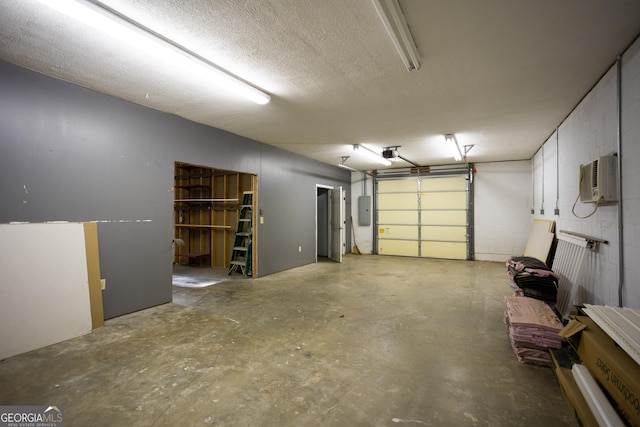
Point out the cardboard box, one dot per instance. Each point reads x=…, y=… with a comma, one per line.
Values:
x=561, y=362
x=610, y=366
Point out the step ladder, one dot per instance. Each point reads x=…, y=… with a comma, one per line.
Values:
x=241, y=254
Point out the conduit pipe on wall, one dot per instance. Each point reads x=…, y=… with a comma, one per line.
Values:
x=556, y=211
x=542, y=201
x=620, y=216
x=533, y=184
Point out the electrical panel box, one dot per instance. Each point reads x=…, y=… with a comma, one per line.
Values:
x=364, y=210
x=599, y=180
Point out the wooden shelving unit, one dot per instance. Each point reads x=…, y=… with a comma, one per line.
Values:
x=206, y=206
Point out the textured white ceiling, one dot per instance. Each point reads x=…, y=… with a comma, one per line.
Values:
x=500, y=74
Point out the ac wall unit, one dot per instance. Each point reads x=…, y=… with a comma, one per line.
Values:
x=598, y=180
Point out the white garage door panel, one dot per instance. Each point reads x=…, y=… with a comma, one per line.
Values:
x=456, y=183
x=444, y=250
x=397, y=201
x=458, y=234
x=398, y=186
x=444, y=200
x=444, y=217
x=398, y=232
x=398, y=217
x=398, y=247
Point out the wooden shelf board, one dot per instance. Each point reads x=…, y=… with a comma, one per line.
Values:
x=192, y=255
x=205, y=200
x=202, y=226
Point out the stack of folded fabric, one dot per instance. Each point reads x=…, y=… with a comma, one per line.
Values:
x=533, y=328
x=531, y=277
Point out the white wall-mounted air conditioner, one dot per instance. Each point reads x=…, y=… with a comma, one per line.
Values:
x=598, y=180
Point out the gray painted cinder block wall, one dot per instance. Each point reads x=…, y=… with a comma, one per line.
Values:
x=72, y=154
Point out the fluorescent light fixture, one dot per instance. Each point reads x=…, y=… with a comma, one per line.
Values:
x=133, y=34
x=343, y=166
x=372, y=155
x=454, y=148
x=396, y=26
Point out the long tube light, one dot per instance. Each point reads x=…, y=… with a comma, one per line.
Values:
x=130, y=32
x=343, y=166
x=349, y=168
x=398, y=30
x=372, y=155
x=454, y=148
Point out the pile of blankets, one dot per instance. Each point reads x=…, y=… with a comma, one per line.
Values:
x=533, y=328
x=531, y=277
x=530, y=317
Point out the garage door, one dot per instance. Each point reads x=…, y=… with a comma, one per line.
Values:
x=423, y=217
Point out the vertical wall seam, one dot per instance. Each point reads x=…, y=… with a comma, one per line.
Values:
x=620, y=214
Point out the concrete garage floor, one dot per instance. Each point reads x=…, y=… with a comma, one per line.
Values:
x=375, y=341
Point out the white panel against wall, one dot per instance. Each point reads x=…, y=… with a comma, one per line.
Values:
x=44, y=286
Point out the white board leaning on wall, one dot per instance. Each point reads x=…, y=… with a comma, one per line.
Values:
x=44, y=285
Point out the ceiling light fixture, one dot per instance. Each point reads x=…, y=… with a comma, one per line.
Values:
x=454, y=148
x=397, y=28
x=343, y=166
x=372, y=155
x=130, y=32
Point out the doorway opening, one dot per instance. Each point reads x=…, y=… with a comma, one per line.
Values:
x=330, y=223
x=207, y=204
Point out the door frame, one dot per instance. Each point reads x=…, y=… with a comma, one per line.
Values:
x=333, y=231
x=253, y=187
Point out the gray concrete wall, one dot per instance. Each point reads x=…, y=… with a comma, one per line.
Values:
x=72, y=154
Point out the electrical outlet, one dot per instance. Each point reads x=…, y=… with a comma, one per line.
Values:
x=299, y=248
x=103, y=284
x=541, y=211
